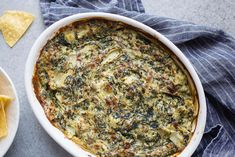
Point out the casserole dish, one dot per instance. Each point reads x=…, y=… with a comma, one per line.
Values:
x=50, y=32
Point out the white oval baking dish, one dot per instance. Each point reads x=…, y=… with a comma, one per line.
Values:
x=58, y=136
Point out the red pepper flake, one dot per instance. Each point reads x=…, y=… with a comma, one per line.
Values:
x=111, y=101
x=156, y=56
x=98, y=58
x=150, y=76
x=91, y=65
x=114, y=101
x=108, y=101
x=95, y=129
x=96, y=146
x=127, y=145
x=90, y=141
x=172, y=88
x=78, y=57
x=108, y=88
x=120, y=70
x=175, y=124
x=113, y=137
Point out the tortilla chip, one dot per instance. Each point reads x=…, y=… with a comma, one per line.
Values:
x=3, y=121
x=13, y=25
x=4, y=102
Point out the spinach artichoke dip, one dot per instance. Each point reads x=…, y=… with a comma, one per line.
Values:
x=115, y=91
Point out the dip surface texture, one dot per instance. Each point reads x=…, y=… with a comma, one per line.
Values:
x=115, y=91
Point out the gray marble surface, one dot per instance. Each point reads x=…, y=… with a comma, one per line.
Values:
x=31, y=139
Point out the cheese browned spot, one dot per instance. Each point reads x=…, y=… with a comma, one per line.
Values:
x=115, y=91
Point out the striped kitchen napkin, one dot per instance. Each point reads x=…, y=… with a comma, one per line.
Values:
x=211, y=51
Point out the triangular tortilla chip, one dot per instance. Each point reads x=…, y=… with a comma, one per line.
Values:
x=13, y=25
x=3, y=121
x=4, y=101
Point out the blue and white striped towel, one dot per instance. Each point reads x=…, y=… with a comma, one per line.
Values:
x=211, y=51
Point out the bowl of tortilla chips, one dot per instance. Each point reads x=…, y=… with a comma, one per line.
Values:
x=9, y=112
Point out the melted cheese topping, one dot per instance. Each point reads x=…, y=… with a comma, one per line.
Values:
x=115, y=91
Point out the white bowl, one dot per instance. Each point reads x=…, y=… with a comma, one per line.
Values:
x=58, y=136
x=12, y=111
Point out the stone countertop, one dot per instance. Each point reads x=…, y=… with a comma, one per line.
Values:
x=31, y=139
